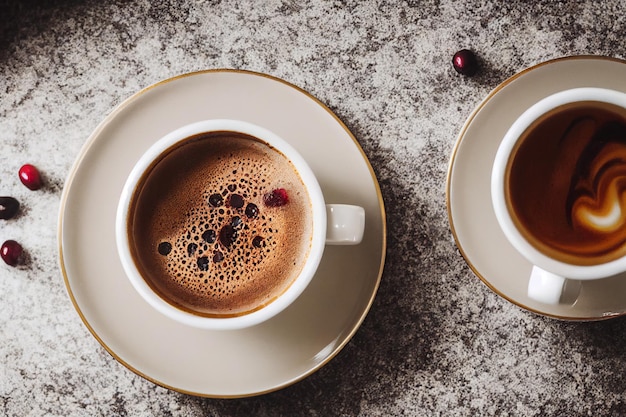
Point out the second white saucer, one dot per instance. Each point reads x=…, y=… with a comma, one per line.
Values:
x=472, y=220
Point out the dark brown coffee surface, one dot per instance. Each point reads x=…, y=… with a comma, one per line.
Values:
x=222, y=225
x=567, y=183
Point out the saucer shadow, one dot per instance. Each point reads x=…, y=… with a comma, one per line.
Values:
x=20, y=19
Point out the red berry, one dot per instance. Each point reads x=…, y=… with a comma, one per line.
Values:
x=11, y=252
x=30, y=177
x=465, y=62
x=276, y=198
x=8, y=207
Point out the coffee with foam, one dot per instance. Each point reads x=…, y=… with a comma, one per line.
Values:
x=221, y=225
x=566, y=183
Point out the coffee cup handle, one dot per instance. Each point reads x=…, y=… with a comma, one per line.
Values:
x=549, y=288
x=345, y=224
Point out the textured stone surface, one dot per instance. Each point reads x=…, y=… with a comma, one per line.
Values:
x=437, y=341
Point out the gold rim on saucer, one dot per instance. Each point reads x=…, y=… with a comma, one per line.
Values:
x=472, y=221
x=270, y=356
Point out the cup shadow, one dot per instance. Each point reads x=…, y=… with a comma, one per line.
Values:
x=403, y=327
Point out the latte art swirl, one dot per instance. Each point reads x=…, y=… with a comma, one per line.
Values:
x=605, y=215
x=597, y=200
x=567, y=183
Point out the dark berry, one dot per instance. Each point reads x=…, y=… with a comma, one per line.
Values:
x=257, y=242
x=276, y=198
x=252, y=211
x=465, y=62
x=8, y=207
x=228, y=235
x=11, y=252
x=191, y=248
x=218, y=256
x=165, y=248
x=203, y=263
x=236, y=221
x=235, y=201
x=30, y=177
x=209, y=236
x=216, y=200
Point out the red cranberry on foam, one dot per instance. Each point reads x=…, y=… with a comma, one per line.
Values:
x=276, y=198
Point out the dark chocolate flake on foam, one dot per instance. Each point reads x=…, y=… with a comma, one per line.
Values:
x=203, y=263
x=216, y=200
x=236, y=221
x=252, y=211
x=209, y=236
x=228, y=235
x=164, y=248
x=236, y=201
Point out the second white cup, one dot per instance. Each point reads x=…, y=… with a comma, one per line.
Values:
x=558, y=189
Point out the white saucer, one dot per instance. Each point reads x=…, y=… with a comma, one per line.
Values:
x=472, y=219
x=261, y=359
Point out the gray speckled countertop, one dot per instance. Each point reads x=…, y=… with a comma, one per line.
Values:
x=437, y=341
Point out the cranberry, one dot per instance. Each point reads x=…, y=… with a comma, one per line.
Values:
x=276, y=198
x=465, y=62
x=30, y=177
x=8, y=207
x=11, y=252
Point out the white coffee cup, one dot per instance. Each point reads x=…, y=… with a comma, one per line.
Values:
x=335, y=224
x=551, y=281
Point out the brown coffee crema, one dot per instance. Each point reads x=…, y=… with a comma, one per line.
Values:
x=202, y=235
x=566, y=181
